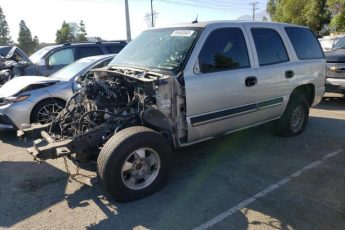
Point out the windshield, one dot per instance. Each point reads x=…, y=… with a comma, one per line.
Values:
x=161, y=49
x=68, y=72
x=38, y=55
x=340, y=44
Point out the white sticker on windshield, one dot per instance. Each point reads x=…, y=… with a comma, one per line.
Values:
x=182, y=33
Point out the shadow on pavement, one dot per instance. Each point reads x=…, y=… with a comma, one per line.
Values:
x=206, y=180
x=28, y=188
x=10, y=137
x=332, y=103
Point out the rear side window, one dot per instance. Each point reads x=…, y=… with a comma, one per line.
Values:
x=305, y=43
x=269, y=46
x=114, y=49
x=89, y=51
x=224, y=49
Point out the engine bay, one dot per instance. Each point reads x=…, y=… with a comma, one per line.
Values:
x=109, y=100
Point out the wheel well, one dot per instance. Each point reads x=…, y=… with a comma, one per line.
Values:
x=46, y=99
x=307, y=91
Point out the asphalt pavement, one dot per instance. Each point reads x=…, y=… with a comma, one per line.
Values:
x=252, y=179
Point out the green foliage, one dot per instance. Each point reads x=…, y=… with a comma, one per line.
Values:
x=311, y=13
x=81, y=34
x=271, y=8
x=25, y=41
x=337, y=8
x=5, y=38
x=76, y=33
x=64, y=34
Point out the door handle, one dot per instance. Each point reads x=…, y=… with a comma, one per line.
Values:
x=289, y=74
x=251, y=81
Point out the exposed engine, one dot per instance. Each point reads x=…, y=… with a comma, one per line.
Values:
x=111, y=101
x=108, y=101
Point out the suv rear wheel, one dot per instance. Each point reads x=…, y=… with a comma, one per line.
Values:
x=295, y=117
x=134, y=163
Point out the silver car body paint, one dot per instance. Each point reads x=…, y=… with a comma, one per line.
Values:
x=219, y=92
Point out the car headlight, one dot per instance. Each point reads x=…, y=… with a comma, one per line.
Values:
x=16, y=99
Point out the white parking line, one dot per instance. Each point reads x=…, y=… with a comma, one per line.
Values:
x=264, y=192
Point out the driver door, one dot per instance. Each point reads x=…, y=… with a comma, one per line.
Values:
x=221, y=88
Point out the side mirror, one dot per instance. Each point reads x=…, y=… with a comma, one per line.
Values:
x=196, y=68
x=42, y=62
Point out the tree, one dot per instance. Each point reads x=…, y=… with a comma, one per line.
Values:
x=81, y=34
x=64, y=34
x=35, y=42
x=25, y=41
x=271, y=8
x=71, y=32
x=5, y=38
x=311, y=13
x=337, y=8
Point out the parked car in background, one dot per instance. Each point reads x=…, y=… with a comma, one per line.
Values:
x=50, y=59
x=328, y=42
x=335, y=75
x=29, y=99
x=13, y=62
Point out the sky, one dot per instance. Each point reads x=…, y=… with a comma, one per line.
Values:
x=106, y=18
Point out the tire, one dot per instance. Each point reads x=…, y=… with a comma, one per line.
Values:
x=37, y=112
x=130, y=156
x=295, y=117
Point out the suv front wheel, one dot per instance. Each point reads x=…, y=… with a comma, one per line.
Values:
x=134, y=163
x=295, y=117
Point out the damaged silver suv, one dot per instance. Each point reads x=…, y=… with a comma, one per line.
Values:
x=176, y=86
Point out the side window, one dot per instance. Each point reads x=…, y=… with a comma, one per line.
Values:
x=61, y=57
x=304, y=42
x=114, y=49
x=224, y=49
x=269, y=46
x=88, y=51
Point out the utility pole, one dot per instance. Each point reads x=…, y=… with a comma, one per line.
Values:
x=128, y=24
x=152, y=23
x=254, y=8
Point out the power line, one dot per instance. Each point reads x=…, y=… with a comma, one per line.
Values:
x=254, y=8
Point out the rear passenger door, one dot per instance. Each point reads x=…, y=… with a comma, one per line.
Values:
x=275, y=70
